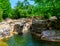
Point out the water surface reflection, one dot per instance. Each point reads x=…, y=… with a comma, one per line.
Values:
x=25, y=40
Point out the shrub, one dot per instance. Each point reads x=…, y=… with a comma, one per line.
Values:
x=1, y=12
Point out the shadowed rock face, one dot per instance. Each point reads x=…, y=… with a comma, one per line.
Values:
x=18, y=28
x=38, y=25
x=53, y=24
x=47, y=29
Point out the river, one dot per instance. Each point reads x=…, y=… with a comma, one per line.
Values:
x=25, y=40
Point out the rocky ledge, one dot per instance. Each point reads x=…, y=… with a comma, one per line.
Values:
x=47, y=30
x=4, y=30
x=10, y=27
x=51, y=35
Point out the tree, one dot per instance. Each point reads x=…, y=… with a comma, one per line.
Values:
x=1, y=12
x=49, y=7
x=5, y=5
x=21, y=9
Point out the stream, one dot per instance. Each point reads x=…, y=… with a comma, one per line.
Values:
x=25, y=40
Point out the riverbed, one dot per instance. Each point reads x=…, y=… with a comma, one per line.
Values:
x=25, y=40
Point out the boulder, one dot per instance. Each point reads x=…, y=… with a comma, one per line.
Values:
x=51, y=35
x=53, y=18
x=4, y=29
x=48, y=33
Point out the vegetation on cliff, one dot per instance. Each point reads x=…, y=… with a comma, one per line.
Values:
x=45, y=8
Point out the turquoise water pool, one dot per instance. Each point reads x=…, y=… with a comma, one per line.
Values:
x=25, y=40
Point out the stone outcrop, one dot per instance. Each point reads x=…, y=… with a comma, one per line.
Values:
x=38, y=25
x=21, y=25
x=40, y=28
x=9, y=27
x=46, y=30
x=4, y=30
x=51, y=35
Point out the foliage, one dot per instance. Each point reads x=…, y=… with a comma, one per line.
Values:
x=46, y=8
x=23, y=10
x=1, y=12
x=49, y=7
x=5, y=5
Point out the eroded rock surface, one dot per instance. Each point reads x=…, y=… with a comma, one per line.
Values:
x=18, y=28
x=4, y=29
x=48, y=30
x=51, y=35
x=9, y=27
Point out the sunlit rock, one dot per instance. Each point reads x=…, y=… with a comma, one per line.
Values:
x=53, y=18
x=4, y=29
x=27, y=26
x=8, y=20
x=10, y=27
